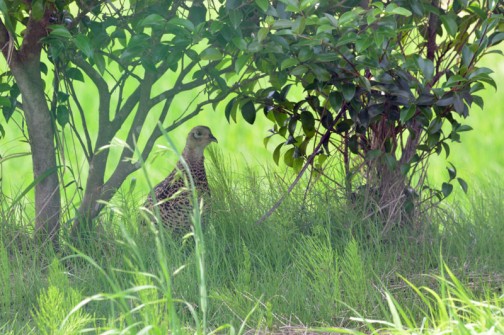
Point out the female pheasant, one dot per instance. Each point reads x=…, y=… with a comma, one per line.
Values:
x=172, y=194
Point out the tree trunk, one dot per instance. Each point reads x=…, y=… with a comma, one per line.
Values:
x=89, y=207
x=387, y=181
x=25, y=67
x=41, y=134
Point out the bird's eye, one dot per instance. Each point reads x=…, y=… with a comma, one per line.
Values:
x=197, y=134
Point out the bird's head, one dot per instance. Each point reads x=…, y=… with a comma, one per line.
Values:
x=199, y=137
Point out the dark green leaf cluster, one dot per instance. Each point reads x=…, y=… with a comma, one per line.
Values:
x=377, y=83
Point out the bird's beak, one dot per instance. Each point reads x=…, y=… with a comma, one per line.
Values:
x=213, y=139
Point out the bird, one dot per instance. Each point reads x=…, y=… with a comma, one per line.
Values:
x=172, y=194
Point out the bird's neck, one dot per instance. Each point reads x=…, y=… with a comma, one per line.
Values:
x=193, y=155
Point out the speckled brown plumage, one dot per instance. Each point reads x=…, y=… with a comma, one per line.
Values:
x=172, y=195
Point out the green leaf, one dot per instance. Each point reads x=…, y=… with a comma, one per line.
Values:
x=236, y=17
x=346, y=18
x=363, y=43
x=322, y=74
x=5, y=102
x=446, y=189
x=407, y=113
x=289, y=157
x=82, y=43
x=211, y=54
x=63, y=97
x=99, y=61
x=249, y=112
x=178, y=21
x=447, y=100
x=75, y=74
x=463, y=128
x=4, y=87
x=454, y=81
x=348, y=91
x=266, y=140
x=59, y=31
x=292, y=5
x=463, y=184
x=308, y=122
x=276, y=153
x=331, y=19
x=230, y=110
x=404, y=169
x=241, y=61
x=289, y=62
x=478, y=101
x=450, y=24
x=299, y=70
x=327, y=120
x=262, y=34
x=305, y=54
x=62, y=115
x=446, y=148
x=496, y=38
x=154, y=20
x=240, y=43
x=459, y=106
x=335, y=100
x=6, y=17
x=37, y=9
x=282, y=24
x=299, y=25
x=390, y=161
x=353, y=144
x=426, y=67
x=263, y=4
x=344, y=125
x=43, y=68
x=7, y=112
x=452, y=171
x=394, y=9
x=467, y=55
x=216, y=26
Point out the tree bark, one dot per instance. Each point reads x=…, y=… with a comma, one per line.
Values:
x=41, y=134
x=25, y=67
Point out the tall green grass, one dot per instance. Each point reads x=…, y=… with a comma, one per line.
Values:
x=314, y=263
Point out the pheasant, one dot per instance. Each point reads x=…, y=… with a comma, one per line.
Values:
x=172, y=195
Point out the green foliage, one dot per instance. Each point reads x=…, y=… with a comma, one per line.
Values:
x=315, y=266
x=54, y=313
x=453, y=309
x=5, y=281
x=372, y=84
x=354, y=277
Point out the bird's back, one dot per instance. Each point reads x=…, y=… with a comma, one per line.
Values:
x=173, y=195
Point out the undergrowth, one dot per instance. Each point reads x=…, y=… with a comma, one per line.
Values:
x=314, y=264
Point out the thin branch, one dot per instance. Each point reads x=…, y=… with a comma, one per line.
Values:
x=126, y=109
x=89, y=149
x=432, y=31
x=309, y=161
x=141, y=113
x=104, y=133
x=7, y=44
x=84, y=8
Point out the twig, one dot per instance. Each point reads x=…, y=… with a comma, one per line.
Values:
x=309, y=161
